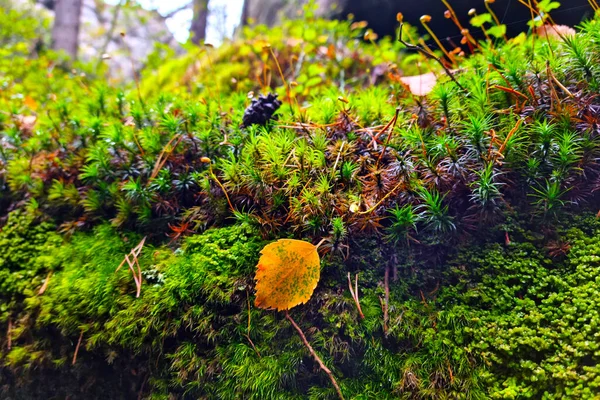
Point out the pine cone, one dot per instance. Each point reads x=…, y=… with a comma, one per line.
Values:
x=261, y=110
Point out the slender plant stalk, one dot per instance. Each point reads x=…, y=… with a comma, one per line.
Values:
x=437, y=41
x=166, y=152
x=77, y=348
x=382, y=200
x=315, y=356
x=45, y=285
x=453, y=14
x=212, y=174
x=494, y=16
x=132, y=263
x=354, y=294
x=248, y=330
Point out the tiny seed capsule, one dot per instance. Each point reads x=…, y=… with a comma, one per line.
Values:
x=205, y=160
x=425, y=18
x=399, y=17
x=447, y=14
x=472, y=12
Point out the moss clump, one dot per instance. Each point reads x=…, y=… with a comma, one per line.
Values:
x=26, y=259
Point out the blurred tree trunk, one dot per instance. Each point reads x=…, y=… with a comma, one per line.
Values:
x=65, y=32
x=198, y=28
x=245, y=13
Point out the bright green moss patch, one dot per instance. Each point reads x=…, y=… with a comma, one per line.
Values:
x=517, y=323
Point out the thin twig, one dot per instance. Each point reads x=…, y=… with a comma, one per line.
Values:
x=354, y=294
x=382, y=200
x=45, y=285
x=315, y=356
x=392, y=123
x=222, y=187
x=166, y=152
x=428, y=55
x=77, y=348
x=338, y=157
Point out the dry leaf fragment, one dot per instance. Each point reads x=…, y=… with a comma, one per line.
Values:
x=555, y=31
x=420, y=85
x=287, y=274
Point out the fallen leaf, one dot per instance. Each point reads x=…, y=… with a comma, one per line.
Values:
x=287, y=274
x=26, y=123
x=555, y=31
x=30, y=103
x=420, y=85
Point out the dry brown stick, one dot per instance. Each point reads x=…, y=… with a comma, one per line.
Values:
x=77, y=348
x=315, y=356
x=354, y=294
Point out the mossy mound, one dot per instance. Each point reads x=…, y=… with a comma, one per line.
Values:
x=514, y=320
x=467, y=215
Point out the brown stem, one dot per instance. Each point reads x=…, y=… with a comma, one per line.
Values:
x=354, y=294
x=222, y=188
x=77, y=348
x=392, y=123
x=253, y=346
x=315, y=356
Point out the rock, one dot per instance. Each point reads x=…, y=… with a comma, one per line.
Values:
x=381, y=14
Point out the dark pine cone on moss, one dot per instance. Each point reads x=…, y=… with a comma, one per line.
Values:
x=261, y=110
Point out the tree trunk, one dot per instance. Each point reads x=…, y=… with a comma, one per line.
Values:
x=65, y=33
x=198, y=28
x=245, y=13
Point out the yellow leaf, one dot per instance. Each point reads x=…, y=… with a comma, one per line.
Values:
x=30, y=103
x=287, y=274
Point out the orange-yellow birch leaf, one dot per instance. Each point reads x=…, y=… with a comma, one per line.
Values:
x=287, y=274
